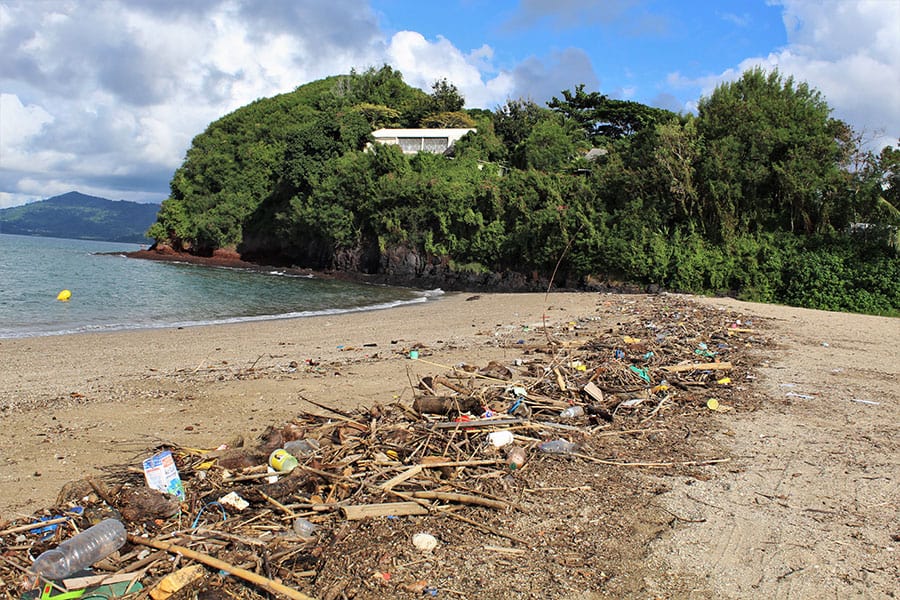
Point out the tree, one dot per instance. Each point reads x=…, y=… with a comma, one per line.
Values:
x=514, y=123
x=450, y=120
x=445, y=97
x=772, y=158
x=551, y=145
x=377, y=115
x=514, y=120
x=605, y=119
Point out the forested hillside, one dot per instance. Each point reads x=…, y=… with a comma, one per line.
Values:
x=79, y=216
x=762, y=194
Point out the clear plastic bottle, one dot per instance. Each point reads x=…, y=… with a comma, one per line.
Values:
x=83, y=550
x=515, y=457
x=304, y=447
x=558, y=447
x=572, y=412
x=304, y=527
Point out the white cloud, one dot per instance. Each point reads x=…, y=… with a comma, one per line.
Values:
x=423, y=62
x=19, y=123
x=849, y=51
x=106, y=96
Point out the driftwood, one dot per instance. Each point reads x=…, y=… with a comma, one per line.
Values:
x=36, y=525
x=263, y=582
x=716, y=366
x=461, y=498
x=397, y=509
x=437, y=405
x=449, y=384
x=429, y=462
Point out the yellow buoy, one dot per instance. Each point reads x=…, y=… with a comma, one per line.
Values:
x=64, y=296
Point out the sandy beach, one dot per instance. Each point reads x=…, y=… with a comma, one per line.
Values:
x=69, y=404
x=808, y=509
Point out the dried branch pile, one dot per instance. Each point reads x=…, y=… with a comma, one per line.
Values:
x=468, y=463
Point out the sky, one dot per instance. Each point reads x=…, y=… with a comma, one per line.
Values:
x=104, y=97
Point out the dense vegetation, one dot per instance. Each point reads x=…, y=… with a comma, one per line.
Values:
x=761, y=194
x=81, y=217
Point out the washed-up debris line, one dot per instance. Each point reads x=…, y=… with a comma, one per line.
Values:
x=510, y=479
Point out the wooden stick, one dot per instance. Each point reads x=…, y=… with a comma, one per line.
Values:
x=399, y=509
x=459, y=463
x=504, y=550
x=476, y=423
x=398, y=479
x=462, y=498
x=36, y=525
x=560, y=381
x=203, y=533
x=720, y=366
x=628, y=431
x=101, y=491
x=449, y=384
x=263, y=582
x=687, y=463
x=252, y=477
x=139, y=566
x=79, y=583
x=330, y=409
x=277, y=504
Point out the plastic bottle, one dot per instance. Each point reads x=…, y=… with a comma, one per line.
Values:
x=558, y=447
x=303, y=527
x=83, y=550
x=572, y=411
x=515, y=457
x=303, y=447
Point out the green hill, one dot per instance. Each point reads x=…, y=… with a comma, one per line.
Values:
x=78, y=216
x=760, y=194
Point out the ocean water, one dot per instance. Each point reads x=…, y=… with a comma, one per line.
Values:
x=111, y=292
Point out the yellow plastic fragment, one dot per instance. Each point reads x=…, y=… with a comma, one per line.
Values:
x=175, y=581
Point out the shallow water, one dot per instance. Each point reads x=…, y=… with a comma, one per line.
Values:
x=111, y=292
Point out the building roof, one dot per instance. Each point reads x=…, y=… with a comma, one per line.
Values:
x=422, y=133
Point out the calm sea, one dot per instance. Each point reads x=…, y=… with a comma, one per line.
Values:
x=111, y=292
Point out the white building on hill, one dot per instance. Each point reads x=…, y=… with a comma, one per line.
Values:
x=413, y=141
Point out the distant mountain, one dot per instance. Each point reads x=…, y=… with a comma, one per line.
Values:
x=78, y=216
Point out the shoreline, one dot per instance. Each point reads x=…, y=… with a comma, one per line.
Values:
x=426, y=296
x=78, y=392
x=421, y=277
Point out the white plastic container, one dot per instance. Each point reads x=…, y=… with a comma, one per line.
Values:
x=498, y=439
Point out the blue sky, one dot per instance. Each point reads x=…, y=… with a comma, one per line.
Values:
x=104, y=96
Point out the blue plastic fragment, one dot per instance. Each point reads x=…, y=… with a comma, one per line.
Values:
x=642, y=373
